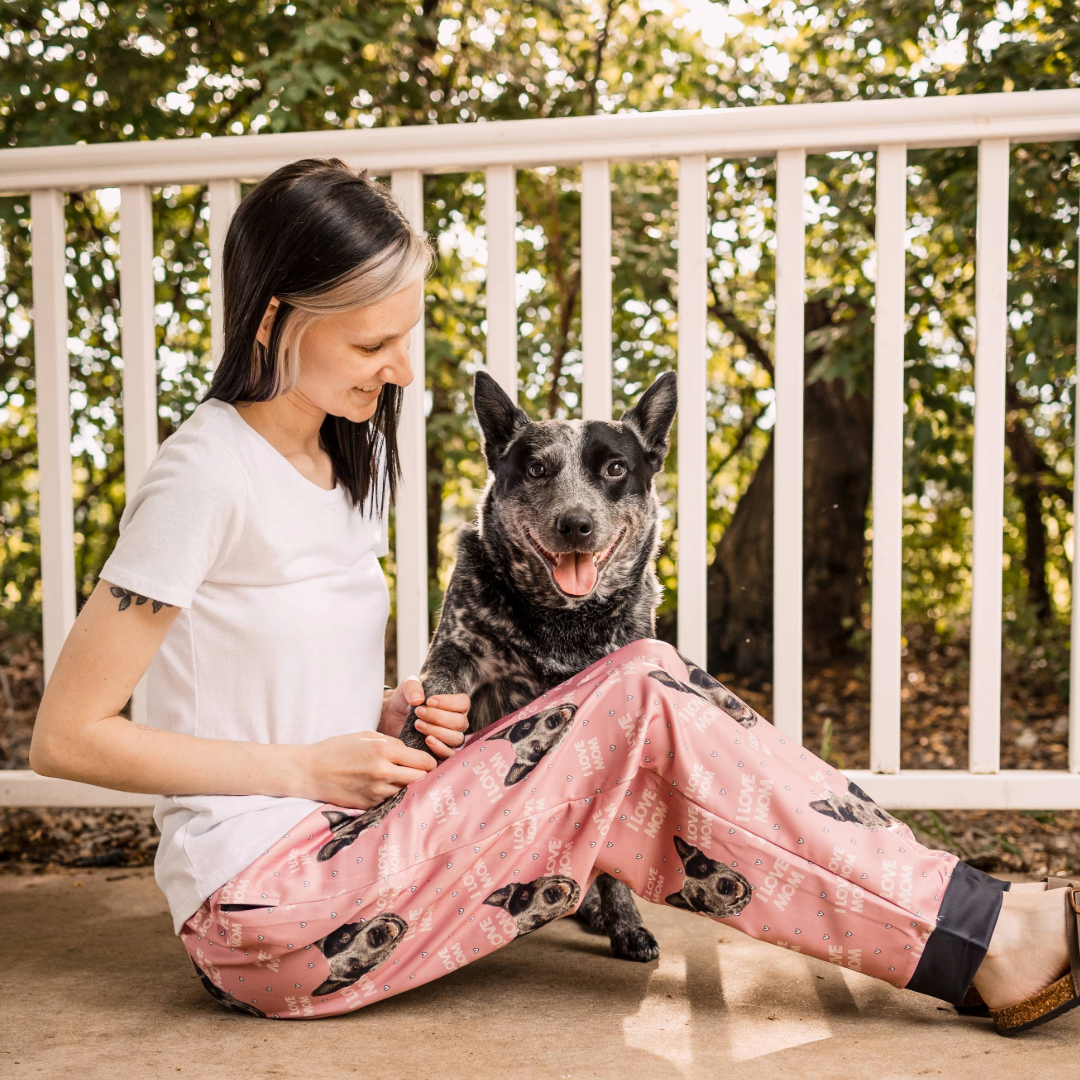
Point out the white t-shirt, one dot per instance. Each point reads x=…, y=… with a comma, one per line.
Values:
x=281, y=635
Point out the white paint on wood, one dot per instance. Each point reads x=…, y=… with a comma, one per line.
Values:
x=788, y=444
x=691, y=425
x=410, y=511
x=890, y=218
x=500, y=205
x=48, y=239
x=596, y=289
x=224, y=199
x=138, y=348
x=991, y=276
x=817, y=127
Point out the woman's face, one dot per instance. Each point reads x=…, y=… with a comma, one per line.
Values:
x=342, y=354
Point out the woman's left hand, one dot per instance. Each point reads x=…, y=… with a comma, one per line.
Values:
x=443, y=719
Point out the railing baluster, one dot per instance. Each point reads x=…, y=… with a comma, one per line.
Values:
x=788, y=444
x=138, y=348
x=693, y=435
x=410, y=511
x=888, y=481
x=500, y=204
x=49, y=244
x=596, y=290
x=1074, y=629
x=991, y=276
x=224, y=199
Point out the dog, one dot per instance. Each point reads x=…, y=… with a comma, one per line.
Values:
x=226, y=999
x=534, y=737
x=855, y=807
x=535, y=903
x=705, y=686
x=357, y=947
x=555, y=573
x=347, y=827
x=711, y=888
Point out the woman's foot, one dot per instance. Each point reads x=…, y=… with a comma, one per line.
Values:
x=1029, y=948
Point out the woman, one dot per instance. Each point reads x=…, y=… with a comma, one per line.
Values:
x=246, y=578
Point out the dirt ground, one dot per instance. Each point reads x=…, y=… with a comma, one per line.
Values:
x=837, y=723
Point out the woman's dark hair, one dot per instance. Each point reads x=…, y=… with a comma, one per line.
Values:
x=322, y=237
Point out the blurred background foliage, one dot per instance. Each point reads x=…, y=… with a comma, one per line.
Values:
x=86, y=72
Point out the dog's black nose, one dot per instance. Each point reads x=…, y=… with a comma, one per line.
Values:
x=574, y=525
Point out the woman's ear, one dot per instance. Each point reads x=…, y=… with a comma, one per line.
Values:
x=267, y=324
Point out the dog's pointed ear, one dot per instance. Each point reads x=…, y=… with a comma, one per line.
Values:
x=500, y=897
x=676, y=899
x=498, y=416
x=652, y=415
x=332, y=847
x=518, y=771
x=823, y=806
x=685, y=850
x=331, y=986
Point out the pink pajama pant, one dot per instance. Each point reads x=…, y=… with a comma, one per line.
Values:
x=623, y=769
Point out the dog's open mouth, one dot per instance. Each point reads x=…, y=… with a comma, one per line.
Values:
x=576, y=572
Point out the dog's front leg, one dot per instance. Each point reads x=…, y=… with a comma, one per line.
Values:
x=630, y=938
x=447, y=670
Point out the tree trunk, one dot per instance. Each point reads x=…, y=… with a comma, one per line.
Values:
x=837, y=471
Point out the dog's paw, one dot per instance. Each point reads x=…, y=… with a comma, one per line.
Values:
x=635, y=944
x=590, y=915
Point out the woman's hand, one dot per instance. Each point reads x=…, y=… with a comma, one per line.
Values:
x=444, y=719
x=360, y=769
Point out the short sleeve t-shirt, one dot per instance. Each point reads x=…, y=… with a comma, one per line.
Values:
x=281, y=634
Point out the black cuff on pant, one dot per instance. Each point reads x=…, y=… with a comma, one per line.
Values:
x=956, y=946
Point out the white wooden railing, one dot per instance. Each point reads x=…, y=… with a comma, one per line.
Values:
x=992, y=121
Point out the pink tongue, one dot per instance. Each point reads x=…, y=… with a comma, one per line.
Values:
x=576, y=572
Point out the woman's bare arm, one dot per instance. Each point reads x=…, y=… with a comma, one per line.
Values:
x=78, y=734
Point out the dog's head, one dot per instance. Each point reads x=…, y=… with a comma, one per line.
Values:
x=355, y=948
x=532, y=904
x=570, y=504
x=855, y=807
x=534, y=737
x=710, y=888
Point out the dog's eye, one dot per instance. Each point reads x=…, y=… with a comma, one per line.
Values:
x=616, y=469
x=535, y=469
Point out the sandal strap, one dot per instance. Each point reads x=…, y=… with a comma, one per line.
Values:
x=1072, y=921
x=1059, y=883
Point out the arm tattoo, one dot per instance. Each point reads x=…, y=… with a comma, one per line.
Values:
x=125, y=596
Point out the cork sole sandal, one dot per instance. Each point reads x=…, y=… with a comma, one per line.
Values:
x=973, y=1004
x=1057, y=998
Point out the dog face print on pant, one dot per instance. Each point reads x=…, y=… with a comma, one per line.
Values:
x=534, y=737
x=225, y=999
x=534, y=903
x=705, y=686
x=710, y=887
x=357, y=947
x=856, y=807
x=347, y=827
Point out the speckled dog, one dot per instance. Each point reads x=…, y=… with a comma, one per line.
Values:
x=533, y=904
x=854, y=806
x=357, y=947
x=556, y=572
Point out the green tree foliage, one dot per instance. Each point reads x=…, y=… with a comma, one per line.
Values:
x=125, y=71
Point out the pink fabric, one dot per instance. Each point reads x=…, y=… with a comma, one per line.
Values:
x=634, y=776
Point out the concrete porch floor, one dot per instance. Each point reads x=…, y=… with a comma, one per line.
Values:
x=96, y=985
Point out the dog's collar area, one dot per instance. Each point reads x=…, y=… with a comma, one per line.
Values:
x=569, y=565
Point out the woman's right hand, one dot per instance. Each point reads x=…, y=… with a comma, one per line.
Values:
x=360, y=769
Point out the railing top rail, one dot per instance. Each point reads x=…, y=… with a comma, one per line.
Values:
x=954, y=120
